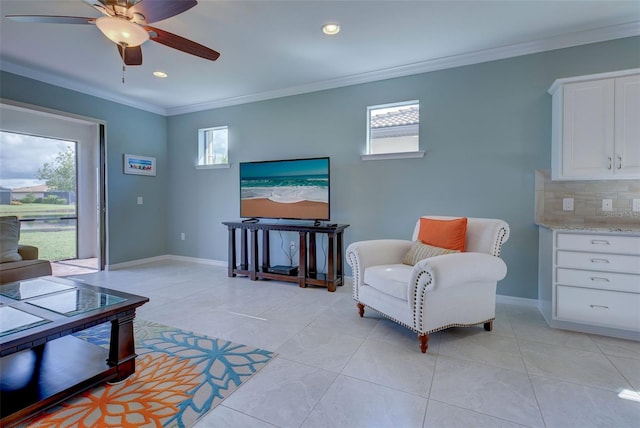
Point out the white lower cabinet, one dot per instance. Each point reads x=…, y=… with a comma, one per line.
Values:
x=590, y=281
x=598, y=307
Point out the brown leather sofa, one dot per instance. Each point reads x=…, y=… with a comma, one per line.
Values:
x=29, y=267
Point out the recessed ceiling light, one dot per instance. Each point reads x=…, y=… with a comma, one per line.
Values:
x=160, y=74
x=331, y=29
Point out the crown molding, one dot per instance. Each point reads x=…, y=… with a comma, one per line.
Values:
x=558, y=42
x=74, y=85
x=603, y=34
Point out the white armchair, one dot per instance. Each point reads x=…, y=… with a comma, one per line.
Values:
x=449, y=290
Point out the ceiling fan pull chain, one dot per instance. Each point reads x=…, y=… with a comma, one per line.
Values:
x=124, y=63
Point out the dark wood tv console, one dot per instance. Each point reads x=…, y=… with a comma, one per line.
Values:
x=256, y=267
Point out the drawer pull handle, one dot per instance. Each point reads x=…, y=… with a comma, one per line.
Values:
x=600, y=242
x=599, y=307
x=599, y=261
x=595, y=278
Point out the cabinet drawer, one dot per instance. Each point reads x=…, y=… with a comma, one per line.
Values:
x=601, y=280
x=599, y=243
x=598, y=261
x=599, y=307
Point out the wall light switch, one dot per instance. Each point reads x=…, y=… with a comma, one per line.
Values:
x=636, y=205
x=607, y=204
x=182, y=236
x=139, y=200
x=567, y=204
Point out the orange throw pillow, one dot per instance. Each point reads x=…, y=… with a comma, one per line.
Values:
x=450, y=234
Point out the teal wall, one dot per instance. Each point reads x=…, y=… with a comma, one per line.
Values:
x=135, y=231
x=485, y=129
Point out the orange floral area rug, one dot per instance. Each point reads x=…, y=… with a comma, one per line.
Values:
x=180, y=376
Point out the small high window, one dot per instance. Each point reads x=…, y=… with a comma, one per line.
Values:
x=393, y=131
x=213, y=147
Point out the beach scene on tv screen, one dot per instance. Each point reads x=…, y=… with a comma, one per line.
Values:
x=294, y=189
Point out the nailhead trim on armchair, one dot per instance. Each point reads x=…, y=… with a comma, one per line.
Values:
x=418, y=299
x=433, y=330
x=503, y=234
x=355, y=268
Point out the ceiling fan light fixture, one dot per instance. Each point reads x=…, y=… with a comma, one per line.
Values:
x=121, y=31
x=331, y=29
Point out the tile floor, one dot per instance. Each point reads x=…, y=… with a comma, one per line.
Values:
x=334, y=369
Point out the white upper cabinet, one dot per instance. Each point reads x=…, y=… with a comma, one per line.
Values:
x=596, y=127
x=588, y=129
x=627, y=125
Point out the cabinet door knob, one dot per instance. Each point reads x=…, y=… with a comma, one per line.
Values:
x=599, y=261
x=609, y=167
x=619, y=162
x=597, y=278
x=599, y=307
x=599, y=242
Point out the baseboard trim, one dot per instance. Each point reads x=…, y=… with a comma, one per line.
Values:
x=165, y=257
x=211, y=262
x=519, y=301
x=124, y=265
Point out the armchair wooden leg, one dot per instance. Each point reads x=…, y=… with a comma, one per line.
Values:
x=488, y=326
x=360, y=309
x=424, y=342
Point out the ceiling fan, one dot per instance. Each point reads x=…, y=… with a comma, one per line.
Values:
x=126, y=24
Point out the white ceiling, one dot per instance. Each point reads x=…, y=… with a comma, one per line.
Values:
x=276, y=48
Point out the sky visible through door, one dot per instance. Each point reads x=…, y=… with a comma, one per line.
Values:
x=38, y=185
x=22, y=155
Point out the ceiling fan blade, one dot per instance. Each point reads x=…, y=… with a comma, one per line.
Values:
x=131, y=55
x=181, y=44
x=149, y=11
x=51, y=19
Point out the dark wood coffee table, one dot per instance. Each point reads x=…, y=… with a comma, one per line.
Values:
x=40, y=363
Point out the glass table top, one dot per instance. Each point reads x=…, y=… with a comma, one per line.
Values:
x=75, y=301
x=36, y=287
x=13, y=320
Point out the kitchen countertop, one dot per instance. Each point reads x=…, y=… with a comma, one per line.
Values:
x=593, y=227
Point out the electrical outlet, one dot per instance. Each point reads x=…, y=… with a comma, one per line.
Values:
x=139, y=200
x=607, y=205
x=567, y=204
x=636, y=205
x=183, y=236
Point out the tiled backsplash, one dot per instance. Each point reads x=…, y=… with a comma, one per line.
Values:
x=587, y=200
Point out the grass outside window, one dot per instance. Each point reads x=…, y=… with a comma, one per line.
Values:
x=55, y=239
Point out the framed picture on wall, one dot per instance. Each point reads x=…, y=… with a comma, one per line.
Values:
x=139, y=165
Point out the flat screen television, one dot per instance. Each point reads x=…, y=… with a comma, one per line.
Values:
x=296, y=189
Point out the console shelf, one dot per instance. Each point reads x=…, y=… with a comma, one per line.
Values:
x=256, y=267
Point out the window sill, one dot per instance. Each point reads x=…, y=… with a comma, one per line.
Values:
x=215, y=166
x=403, y=155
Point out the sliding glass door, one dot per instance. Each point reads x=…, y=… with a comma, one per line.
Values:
x=38, y=184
